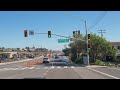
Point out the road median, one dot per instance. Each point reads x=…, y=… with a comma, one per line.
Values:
x=19, y=61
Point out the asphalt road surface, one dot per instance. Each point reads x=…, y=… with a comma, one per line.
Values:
x=59, y=68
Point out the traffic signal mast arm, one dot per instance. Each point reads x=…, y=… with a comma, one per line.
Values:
x=63, y=36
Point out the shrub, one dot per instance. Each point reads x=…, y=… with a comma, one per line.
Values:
x=99, y=62
x=79, y=61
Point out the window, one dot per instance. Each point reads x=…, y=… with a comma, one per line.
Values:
x=112, y=46
x=118, y=47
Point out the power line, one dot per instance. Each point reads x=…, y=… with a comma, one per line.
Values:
x=99, y=18
x=101, y=31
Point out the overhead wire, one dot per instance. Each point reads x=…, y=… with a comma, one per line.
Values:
x=99, y=18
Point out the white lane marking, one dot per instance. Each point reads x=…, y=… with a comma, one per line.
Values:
x=52, y=67
x=103, y=73
x=10, y=68
x=65, y=67
x=40, y=68
x=58, y=67
x=45, y=67
x=23, y=68
x=31, y=67
x=72, y=67
x=15, y=68
x=4, y=69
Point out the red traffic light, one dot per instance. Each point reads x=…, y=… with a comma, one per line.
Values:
x=88, y=45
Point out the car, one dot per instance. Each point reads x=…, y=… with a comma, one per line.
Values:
x=46, y=60
x=56, y=57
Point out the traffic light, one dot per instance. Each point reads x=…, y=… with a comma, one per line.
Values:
x=88, y=45
x=49, y=34
x=88, y=36
x=25, y=33
x=74, y=34
x=79, y=32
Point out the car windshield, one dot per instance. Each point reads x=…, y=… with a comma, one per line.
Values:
x=60, y=44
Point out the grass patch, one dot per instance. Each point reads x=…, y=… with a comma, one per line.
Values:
x=110, y=64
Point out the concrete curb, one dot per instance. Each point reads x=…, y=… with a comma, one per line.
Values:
x=92, y=66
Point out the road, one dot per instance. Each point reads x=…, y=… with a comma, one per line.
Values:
x=19, y=70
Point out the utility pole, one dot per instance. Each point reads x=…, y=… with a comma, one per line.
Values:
x=87, y=42
x=101, y=31
x=77, y=53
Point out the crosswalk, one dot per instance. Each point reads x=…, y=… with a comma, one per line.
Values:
x=30, y=68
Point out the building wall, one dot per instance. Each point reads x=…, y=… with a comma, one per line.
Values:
x=118, y=49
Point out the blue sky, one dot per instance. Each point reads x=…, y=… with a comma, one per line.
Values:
x=13, y=24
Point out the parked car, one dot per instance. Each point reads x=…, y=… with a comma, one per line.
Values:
x=46, y=60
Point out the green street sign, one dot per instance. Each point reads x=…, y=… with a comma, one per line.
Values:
x=63, y=40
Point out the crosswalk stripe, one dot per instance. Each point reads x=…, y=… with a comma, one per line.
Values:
x=25, y=68
x=72, y=67
x=31, y=67
x=5, y=69
x=58, y=67
x=65, y=67
x=15, y=68
x=45, y=67
x=52, y=67
x=22, y=68
x=10, y=68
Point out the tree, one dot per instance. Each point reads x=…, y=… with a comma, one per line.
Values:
x=80, y=45
x=66, y=51
x=99, y=48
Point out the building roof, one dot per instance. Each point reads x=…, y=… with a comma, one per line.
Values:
x=115, y=43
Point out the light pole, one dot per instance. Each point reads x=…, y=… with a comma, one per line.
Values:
x=86, y=38
x=87, y=41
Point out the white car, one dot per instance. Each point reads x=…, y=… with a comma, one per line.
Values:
x=46, y=60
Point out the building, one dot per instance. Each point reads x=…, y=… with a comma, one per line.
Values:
x=116, y=45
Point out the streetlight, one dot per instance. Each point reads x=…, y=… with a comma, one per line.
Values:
x=86, y=39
